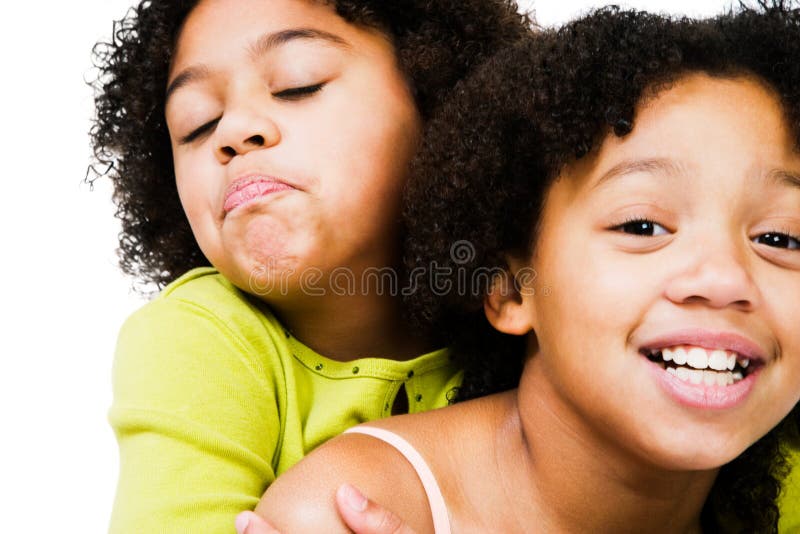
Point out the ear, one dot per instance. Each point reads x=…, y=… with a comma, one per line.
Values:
x=505, y=307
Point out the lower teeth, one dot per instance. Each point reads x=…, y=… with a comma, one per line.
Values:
x=707, y=377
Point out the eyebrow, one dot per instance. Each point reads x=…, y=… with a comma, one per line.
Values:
x=261, y=46
x=652, y=165
x=672, y=168
x=784, y=177
x=269, y=41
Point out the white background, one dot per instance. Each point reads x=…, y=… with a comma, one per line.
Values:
x=64, y=298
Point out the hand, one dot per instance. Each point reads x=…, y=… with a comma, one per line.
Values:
x=359, y=513
x=252, y=523
x=364, y=516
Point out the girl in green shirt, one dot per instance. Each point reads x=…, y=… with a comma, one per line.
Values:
x=258, y=150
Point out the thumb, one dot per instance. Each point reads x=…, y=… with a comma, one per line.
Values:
x=366, y=517
x=252, y=523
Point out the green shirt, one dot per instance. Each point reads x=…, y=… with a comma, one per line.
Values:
x=790, y=498
x=213, y=399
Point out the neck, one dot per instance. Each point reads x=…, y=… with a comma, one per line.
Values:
x=348, y=327
x=580, y=482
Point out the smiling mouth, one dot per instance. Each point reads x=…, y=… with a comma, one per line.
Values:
x=698, y=365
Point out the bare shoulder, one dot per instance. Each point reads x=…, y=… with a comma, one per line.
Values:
x=457, y=443
x=448, y=439
x=303, y=498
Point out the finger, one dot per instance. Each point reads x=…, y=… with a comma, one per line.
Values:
x=252, y=523
x=366, y=517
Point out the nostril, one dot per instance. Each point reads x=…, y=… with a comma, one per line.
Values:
x=256, y=140
x=228, y=151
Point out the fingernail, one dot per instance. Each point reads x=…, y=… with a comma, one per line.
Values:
x=242, y=520
x=354, y=498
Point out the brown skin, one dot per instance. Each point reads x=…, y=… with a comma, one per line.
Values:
x=360, y=514
x=588, y=409
x=396, y=484
x=344, y=149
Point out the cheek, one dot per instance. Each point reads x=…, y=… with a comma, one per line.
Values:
x=194, y=188
x=783, y=310
x=375, y=146
x=375, y=123
x=591, y=303
x=363, y=167
x=598, y=288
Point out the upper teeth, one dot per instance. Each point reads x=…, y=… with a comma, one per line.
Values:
x=700, y=358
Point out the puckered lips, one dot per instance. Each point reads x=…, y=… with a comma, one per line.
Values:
x=705, y=369
x=250, y=188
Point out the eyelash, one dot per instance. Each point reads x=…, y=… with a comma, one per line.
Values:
x=792, y=237
x=631, y=220
x=297, y=93
x=194, y=134
x=292, y=94
x=644, y=220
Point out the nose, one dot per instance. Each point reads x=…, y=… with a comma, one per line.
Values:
x=244, y=129
x=717, y=276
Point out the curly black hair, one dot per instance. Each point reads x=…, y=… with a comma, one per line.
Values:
x=506, y=134
x=437, y=43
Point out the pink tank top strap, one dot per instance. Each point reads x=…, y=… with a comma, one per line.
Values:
x=441, y=520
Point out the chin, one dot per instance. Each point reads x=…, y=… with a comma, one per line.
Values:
x=268, y=275
x=693, y=451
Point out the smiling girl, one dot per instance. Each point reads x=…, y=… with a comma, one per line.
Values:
x=257, y=149
x=636, y=179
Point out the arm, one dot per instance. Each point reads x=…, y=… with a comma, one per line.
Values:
x=196, y=421
x=361, y=515
x=305, y=498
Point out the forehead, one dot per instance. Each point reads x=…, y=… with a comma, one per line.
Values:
x=708, y=103
x=724, y=127
x=215, y=29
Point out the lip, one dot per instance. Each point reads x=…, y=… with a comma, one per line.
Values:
x=251, y=187
x=703, y=396
x=709, y=339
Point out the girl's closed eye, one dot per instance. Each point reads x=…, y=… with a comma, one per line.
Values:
x=298, y=93
x=294, y=93
x=198, y=132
